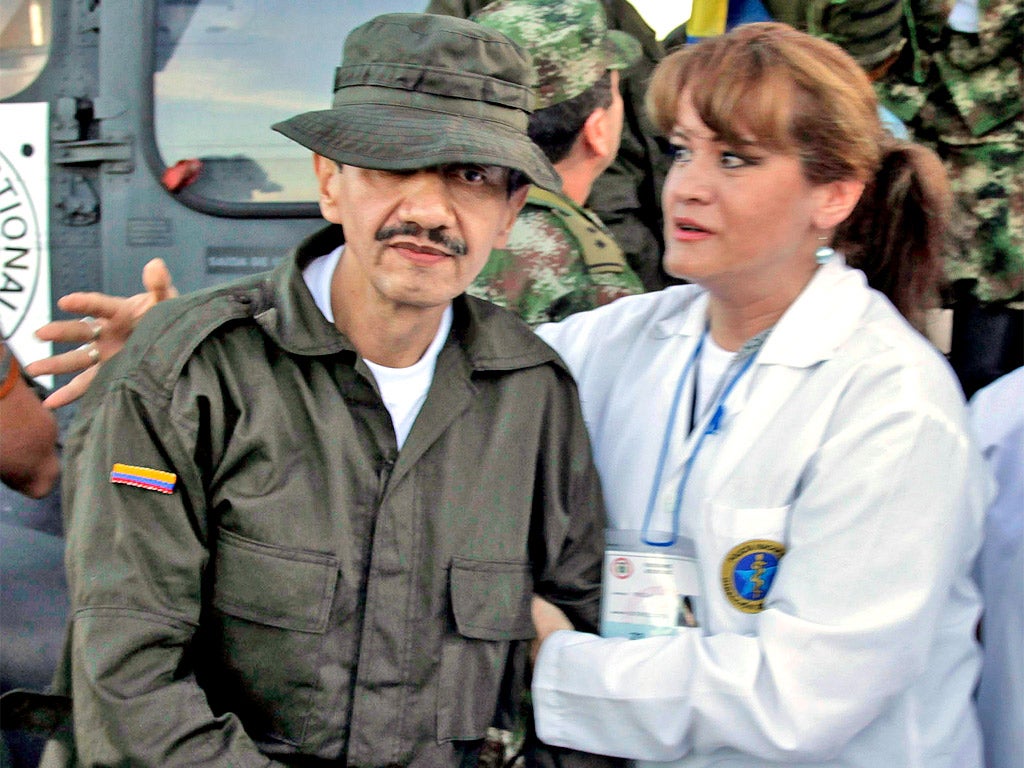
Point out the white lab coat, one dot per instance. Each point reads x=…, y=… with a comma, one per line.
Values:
x=846, y=442
x=997, y=417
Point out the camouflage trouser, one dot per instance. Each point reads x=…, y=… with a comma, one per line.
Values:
x=501, y=750
x=987, y=177
x=987, y=228
x=985, y=259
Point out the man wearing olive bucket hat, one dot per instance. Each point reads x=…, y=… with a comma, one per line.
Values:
x=308, y=510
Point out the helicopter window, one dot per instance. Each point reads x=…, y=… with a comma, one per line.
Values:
x=226, y=70
x=24, y=43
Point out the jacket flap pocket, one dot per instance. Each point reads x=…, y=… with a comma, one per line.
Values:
x=491, y=599
x=278, y=587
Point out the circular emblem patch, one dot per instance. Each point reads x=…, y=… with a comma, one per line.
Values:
x=621, y=568
x=748, y=571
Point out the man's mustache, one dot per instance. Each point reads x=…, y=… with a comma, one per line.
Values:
x=436, y=235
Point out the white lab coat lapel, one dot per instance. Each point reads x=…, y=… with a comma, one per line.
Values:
x=687, y=321
x=693, y=325
x=688, y=324
x=809, y=332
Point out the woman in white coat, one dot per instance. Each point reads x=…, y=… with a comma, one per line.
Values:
x=783, y=455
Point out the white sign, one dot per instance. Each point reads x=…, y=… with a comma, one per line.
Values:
x=24, y=227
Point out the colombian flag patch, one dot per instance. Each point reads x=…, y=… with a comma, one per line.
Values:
x=143, y=477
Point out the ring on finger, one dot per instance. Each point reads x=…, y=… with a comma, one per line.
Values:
x=94, y=327
x=92, y=351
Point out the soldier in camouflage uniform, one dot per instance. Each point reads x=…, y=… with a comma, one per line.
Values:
x=960, y=93
x=627, y=196
x=560, y=258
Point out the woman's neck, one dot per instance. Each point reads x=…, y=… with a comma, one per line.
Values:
x=732, y=327
x=736, y=317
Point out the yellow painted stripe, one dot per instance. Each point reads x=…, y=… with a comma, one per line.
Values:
x=146, y=472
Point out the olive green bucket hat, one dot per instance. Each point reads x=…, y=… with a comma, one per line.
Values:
x=568, y=41
x=418, y=90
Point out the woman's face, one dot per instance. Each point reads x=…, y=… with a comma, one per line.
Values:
x=736, y=217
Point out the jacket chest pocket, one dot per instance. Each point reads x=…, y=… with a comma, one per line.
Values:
x=278, y=587
x=271, y=609
x=490, y=605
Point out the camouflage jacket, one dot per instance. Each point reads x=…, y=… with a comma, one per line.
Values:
x=978, y=75
x=961, y=96
x=560, y=259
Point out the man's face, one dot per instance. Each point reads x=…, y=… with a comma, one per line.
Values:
x=416, y=239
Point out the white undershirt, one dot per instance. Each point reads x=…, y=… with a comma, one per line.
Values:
x=714, y=362
x=403, y=390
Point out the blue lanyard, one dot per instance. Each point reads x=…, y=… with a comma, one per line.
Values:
x=710, y=428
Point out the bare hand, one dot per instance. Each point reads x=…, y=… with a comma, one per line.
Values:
x=547, y=618
x=107, y=323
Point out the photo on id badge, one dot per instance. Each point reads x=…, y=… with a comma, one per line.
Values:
x=648, y=590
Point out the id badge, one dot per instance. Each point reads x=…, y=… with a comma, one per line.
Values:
x=647, y=590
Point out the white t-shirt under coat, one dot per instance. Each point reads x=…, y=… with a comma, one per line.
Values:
x=403, y=390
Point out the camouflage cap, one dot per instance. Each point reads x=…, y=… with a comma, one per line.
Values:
x=417, y=90
x=568, y=40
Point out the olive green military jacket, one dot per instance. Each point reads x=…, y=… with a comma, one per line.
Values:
x=268, y=578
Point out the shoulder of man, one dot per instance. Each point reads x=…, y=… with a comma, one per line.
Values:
x=497, y=339
x=171, y=332
x=463, y=9
x=597, y=248
x=624, y=17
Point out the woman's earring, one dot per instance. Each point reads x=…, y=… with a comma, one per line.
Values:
x=824, y=252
